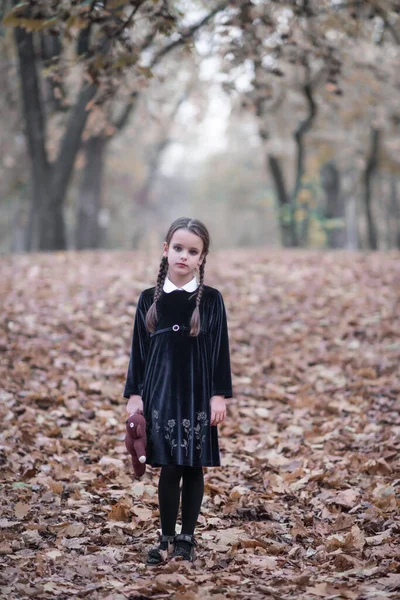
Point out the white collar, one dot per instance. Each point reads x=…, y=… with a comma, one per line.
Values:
x=191, y=286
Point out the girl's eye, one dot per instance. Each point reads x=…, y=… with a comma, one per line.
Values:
x=179, y=248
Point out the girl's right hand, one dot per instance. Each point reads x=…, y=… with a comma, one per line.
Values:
x=134, y=404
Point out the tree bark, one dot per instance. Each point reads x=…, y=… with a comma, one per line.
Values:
x=351, y=223
x=394, y=212
x=335, y=206
x=52, y=222
x=35, y=132
x=287, y=223
x=51, y=48
x=371, y=167
x=299, y=134
x=88, y=232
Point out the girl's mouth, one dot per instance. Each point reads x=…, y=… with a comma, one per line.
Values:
x=180, y=265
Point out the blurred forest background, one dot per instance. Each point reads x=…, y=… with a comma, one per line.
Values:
x=276, y=122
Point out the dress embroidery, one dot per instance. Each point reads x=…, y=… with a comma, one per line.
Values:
x=169, y=429
x=188, y=433
x=199, y=430
x=155, y=419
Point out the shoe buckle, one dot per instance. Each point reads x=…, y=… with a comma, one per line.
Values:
x=167, y=538
x=185, y=537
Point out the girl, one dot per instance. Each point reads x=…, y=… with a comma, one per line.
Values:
x=179, y=375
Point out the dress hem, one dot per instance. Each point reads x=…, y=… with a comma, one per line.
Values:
x=156, y=465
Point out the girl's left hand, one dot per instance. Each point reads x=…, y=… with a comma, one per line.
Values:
x=218, y=409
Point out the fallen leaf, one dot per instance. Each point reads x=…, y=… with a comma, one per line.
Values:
x=21, y=510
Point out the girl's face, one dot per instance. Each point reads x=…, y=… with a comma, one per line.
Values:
x=184, y=254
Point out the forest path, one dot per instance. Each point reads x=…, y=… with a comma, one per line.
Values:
x=306, y=502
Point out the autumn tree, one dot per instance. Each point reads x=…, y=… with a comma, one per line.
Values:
x=286, y=48
x=112, y=117
x=103, y=41
x=13, y=157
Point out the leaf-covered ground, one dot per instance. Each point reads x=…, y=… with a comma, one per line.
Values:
x=306, y=504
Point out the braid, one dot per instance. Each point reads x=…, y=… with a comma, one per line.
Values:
x=151, y=316
x=195, y=320
x=161, y=278
x=201, y=283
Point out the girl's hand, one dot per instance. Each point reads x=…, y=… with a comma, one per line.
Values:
x=134, y=404
x=218, y=409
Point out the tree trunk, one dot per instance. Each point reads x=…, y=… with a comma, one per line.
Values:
x=394, y=212
x=88, y=230
x=51, y=47
x=64, y=165
x=351, y=223
x=19, y=225
x=371, y=167
x=142, y=197
x=335, y=206
x=287, y=223
x=35, y=132
x=299, y=134
x=46, y=230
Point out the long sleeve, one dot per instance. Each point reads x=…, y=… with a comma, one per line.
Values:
x=137, y=361
x=221, y=366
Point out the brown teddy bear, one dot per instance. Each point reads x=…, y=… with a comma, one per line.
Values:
x=135, y=441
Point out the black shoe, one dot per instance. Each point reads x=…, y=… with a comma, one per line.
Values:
x=156, y=556
x=184, y=547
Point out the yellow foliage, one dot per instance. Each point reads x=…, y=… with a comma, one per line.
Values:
x=316, y=234
x=76, y=22
x=325, y=152
x=145, y=71
x=116, y=3
x=99, y=62
x=126, y=60
x=388, y=162
x=334, y=224
x=305, y=197
x=300, y=214
x=12, y=20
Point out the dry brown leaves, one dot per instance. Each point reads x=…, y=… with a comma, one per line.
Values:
x=306, y=504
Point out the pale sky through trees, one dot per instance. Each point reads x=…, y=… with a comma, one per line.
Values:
x=209, y=129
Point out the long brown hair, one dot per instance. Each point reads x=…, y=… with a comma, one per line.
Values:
x=198, y=228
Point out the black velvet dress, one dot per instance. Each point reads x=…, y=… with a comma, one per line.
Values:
x=176, y=374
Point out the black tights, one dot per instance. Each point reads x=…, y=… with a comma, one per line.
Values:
x=169, y=496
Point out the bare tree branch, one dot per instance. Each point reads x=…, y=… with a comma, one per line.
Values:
x=126, y=112
x=72, y=138
x=130, y=18
x=187, y=34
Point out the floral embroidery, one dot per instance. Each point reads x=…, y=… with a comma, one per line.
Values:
x=155, y=419
x=186, y=426
x=199, y=430
x=169, y=429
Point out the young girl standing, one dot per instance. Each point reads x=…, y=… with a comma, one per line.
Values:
x=179, y=375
